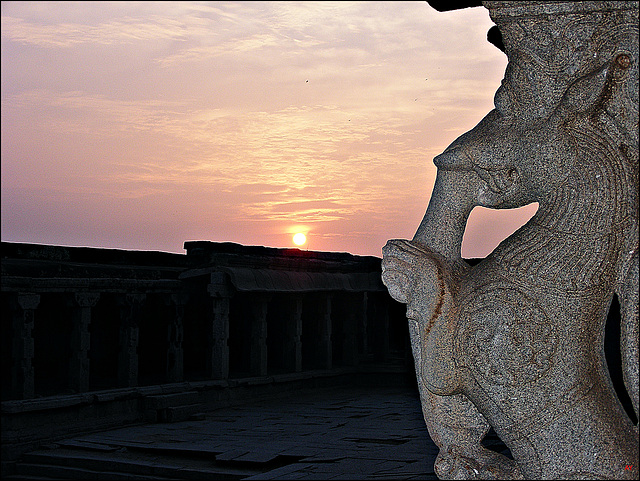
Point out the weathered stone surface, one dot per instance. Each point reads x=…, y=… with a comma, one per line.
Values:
x=516, y=342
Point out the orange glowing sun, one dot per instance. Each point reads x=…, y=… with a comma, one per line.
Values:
x=299, y=239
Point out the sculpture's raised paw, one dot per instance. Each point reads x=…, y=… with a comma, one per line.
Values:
x=396, y=270
x=402, y=260
x=475, y=463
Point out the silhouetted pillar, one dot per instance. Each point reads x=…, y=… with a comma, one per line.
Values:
x=363, y=326
x=353, y=306
x=175, y=335
x=293, y=332
x=130, y=309
x=380, y=310
x=81, y=304
x=258, y=346
x=324, y=353
x=218, y=342
x=22, y=374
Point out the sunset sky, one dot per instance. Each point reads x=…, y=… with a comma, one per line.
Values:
x=142, y=125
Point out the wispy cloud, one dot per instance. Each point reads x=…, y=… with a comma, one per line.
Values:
x=125, y=31
x=322, y=114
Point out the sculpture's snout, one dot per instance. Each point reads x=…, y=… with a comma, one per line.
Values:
x=452, y=199
x=455, y=158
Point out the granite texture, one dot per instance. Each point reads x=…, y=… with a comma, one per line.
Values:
x=516, y=341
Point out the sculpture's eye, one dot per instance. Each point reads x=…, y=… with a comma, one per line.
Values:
x=623, y=61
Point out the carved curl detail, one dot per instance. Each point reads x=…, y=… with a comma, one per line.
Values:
x=506, y=338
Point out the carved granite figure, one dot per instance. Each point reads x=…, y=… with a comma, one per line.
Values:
x=517, y=341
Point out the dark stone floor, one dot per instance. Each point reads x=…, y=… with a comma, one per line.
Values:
x=338, y=433
x=341, y=433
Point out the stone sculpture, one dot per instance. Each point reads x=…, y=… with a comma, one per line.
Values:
x=516, y=342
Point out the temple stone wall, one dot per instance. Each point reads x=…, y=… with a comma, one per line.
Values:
x=98, y=337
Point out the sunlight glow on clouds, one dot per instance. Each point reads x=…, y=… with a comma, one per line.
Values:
x=145, y=124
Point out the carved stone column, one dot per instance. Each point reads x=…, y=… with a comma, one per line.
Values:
x=217, y=360
x=81, y=304
x=363, y=327
x=22, y=374
x=380, y=310
x=515, y=342
x=258, y=344
x=175, y=336
x=130, y=308
x=292, y=336
x=354, y=312
x=324, y=350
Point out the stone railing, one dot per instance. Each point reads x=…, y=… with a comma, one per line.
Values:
x=98, y=327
